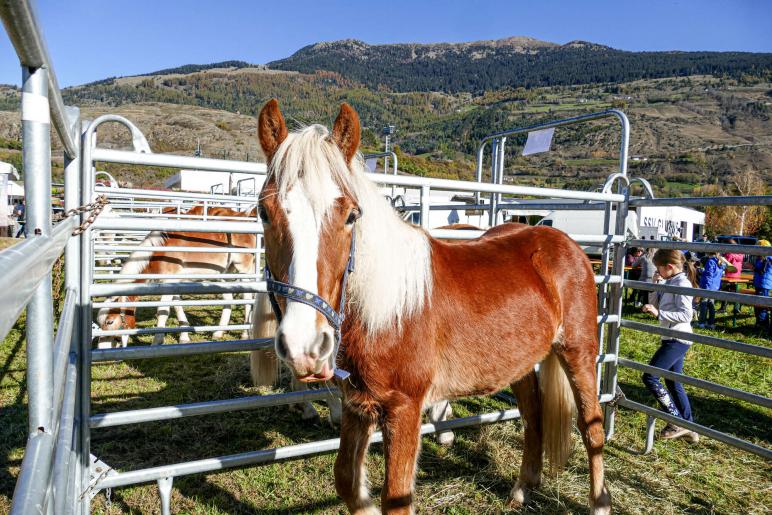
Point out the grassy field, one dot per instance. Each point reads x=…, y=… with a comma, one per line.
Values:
x=474, y=476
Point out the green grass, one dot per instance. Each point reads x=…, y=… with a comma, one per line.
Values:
x=474, y=476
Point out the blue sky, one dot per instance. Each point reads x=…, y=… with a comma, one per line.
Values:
x=94, y=39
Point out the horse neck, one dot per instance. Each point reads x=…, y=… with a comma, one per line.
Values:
x=393, y=271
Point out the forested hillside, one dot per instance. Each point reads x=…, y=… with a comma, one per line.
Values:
x=514, y=62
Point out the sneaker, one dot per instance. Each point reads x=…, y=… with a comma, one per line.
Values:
x=701, y=325
x=671, y=432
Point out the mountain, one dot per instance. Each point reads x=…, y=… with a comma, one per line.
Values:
x=686, y=131
x=512, y=62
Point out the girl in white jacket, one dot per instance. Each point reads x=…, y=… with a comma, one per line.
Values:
x=673, y=311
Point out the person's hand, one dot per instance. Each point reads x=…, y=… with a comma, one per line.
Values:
x=650, y=309
x=656, y=277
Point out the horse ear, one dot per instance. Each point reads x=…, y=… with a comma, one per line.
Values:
x=271, y=129
x=346, y=132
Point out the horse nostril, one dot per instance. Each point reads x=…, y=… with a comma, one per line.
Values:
x=327, y=345
x=282, y=349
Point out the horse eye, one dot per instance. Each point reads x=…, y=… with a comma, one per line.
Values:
x=353, y=216
x=263, y=215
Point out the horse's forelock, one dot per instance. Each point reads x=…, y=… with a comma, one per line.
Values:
x=308, y=157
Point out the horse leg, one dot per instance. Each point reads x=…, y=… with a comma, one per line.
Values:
x=439, y=412
x=247, y=315
x=225, y=318
x=401, y=426
x=182, y=319
x=163, y=315
x=578, y=360
x=526, y=391
x=335, y=406
x=350, y=471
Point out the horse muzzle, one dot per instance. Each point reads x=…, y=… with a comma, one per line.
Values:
x=308, y=361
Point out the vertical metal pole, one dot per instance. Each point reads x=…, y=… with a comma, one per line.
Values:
x=386, y=157
x=499, y=177
x=86, y=262
x=478, y=173
x=625, y=143
x=72, y=200
x=165, y=491
x=36, y=155
x=72, y=277
x=494, y=169
x=425, y=207
x=615, y=307
x=603, y=289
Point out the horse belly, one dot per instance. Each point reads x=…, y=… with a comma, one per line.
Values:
x=490, y=352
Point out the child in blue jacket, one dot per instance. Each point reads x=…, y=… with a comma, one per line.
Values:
x=762, y=281
x=710, y=279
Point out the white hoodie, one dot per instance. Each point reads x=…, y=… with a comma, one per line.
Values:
x=675, y=310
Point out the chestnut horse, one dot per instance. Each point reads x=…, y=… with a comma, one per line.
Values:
x=425, y=320
x=162, y=262
x=264, y=368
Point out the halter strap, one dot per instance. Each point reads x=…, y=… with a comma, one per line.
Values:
x=293, y=293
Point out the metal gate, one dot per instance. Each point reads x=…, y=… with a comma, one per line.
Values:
x=59, y=473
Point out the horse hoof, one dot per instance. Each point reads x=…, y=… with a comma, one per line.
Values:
x=519, y=495
x=446, y=439
x=158, y=341
x=218, y=335
x=184, y=339
x=602, y=505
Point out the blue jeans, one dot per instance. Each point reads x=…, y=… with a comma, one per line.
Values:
x=707, y=312
x=673, y=399
x=762, y=314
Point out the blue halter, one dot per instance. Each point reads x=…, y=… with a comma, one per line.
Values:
x=293, y=293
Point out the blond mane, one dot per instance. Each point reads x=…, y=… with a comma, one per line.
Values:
x=393, y=276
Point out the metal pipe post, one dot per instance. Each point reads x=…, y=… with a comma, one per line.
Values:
x=616, y=291
x=72, y=200
x=425, y=193
x=494, y=169
x=36, y=155
x=84, y=375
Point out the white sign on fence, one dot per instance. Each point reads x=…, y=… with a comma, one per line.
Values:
x=538, y=141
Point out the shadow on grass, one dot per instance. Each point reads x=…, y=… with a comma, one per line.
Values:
x=205, y=493
x=717, y=413
x=13, y=417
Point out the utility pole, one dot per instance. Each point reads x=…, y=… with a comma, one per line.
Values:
x=388, y=132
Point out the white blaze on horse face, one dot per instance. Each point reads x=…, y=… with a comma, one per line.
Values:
x=305, y=343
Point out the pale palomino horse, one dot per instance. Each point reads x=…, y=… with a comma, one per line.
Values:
x=181, y=263
x=424, y=320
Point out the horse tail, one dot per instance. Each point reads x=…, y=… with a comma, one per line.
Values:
x=558, y=409
x=262, y=363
